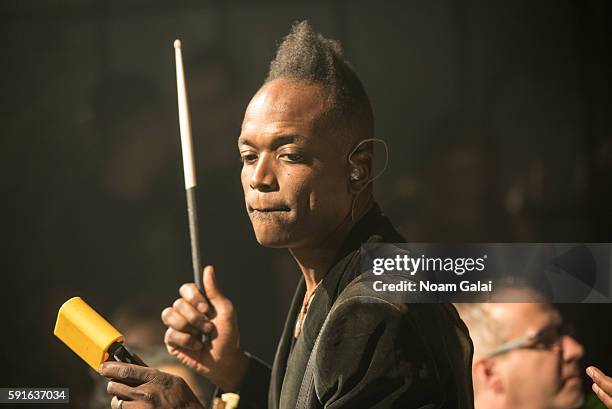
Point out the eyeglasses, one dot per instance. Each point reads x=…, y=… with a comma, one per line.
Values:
x=545, y=339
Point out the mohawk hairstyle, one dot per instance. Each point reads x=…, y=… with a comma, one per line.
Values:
x=307, y=56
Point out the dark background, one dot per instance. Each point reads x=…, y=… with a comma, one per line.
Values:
x=497, y=115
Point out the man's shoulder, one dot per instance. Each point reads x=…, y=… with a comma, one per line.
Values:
x=359, y=307
x=360, y=298
x=367, y=338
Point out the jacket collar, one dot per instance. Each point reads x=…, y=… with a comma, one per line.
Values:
x=372, y=227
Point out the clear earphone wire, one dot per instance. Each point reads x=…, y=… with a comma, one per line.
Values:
x=379, y=174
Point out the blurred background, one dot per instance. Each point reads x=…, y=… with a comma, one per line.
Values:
x=498, y=116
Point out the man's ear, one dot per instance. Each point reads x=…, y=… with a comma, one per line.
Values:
x=360, y=169
x=486, y=372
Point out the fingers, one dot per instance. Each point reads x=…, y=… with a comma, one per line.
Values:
x=125, y=392
x=210, y=284
x=118, y=403
x=193, y=316
x=193, y=296
x=216, y=300
x=128, y=373
x=603, y=381
x=223, y=306
x=175, y=320
x=603, y=396
x=602, y=385
x=182, y=340
x=126, y=404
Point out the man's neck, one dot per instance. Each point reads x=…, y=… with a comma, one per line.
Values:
x=316, y=261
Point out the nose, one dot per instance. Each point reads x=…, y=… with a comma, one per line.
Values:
x=572, y=349
x=263, y=177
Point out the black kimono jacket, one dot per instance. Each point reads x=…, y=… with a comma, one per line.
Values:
x=368, y=354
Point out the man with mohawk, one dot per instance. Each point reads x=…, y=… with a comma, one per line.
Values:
x=306, y=146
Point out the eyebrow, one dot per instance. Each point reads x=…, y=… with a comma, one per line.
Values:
x=277, y=141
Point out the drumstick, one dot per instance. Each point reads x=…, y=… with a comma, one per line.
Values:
x=188, y=168
x=190, y=186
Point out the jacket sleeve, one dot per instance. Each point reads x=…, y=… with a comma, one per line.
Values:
x=254, y=389
x=370, y=355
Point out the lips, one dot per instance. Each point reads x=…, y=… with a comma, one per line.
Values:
x=574, y=375
x=269, y=209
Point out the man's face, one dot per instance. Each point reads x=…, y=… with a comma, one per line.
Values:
x=539, y=378
x=295, y=172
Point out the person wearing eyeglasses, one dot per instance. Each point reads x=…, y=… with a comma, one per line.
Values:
x=524, y=357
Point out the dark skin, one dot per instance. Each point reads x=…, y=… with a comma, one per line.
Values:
x=298, y=195
x=156, y=389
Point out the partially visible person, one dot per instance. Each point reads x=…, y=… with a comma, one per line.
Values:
x=143, y=332
x=166, y=368
x=524, y=357
x=602, y=385
x=307, y=157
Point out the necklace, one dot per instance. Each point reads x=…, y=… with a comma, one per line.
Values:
x=299, y=323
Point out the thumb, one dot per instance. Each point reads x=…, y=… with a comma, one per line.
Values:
x=213, y=292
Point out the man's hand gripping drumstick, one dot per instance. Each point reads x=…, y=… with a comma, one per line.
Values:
x=202, y=327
